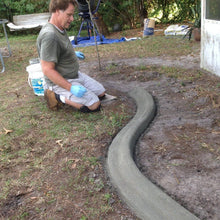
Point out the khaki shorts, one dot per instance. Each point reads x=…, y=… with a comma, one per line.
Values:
x=94, y=89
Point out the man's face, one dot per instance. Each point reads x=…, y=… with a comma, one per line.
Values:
x=66, y=17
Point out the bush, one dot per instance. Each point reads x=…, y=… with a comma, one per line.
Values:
x=9, y=8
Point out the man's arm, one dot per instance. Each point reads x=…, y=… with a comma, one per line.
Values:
x=48, y=69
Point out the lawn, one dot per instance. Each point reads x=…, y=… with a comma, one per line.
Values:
x=53, y=163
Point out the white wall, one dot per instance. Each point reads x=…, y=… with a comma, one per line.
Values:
x=210, y=44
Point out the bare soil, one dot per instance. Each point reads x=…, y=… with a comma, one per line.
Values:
x=180, y=151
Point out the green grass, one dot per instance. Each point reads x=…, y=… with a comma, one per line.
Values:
x=31, y=151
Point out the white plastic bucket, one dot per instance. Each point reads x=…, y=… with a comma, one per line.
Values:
x=36, y=78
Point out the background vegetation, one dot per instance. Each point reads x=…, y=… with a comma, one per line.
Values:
x=128, y=14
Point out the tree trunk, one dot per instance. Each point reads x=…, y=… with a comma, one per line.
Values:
x=102, y=27
x=141, y=11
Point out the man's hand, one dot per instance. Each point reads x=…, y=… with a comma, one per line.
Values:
x=80, y=55
x=78, y=90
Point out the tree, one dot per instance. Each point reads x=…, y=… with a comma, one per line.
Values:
x=130, y=12
x=9, y=8
x=141, y=11
x=102, y=27
x=126, y=13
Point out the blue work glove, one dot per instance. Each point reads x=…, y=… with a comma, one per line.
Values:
x=80, y=55
x=78, y=90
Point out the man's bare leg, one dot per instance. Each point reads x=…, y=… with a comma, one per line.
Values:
x=93, y=107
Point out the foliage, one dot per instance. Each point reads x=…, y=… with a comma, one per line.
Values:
x=128, y=14
x=9, y=8
x=132, y=13
x=172, y=11
x=124, y=13
x=196, y=11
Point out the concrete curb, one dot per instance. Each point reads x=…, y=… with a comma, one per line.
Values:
x=145, y=199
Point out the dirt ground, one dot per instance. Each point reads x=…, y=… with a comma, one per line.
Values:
x=180, y=152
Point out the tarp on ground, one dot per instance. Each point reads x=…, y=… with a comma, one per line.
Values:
x=90, y=41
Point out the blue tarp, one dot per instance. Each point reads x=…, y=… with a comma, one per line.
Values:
x=86, y=41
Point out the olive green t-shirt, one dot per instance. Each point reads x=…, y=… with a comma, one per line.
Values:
x=55, y=46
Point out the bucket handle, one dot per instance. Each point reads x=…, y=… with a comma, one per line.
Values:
x=29, y=82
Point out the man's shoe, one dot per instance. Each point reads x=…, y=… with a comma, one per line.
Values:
x=102, y=97
x=52, y=102
x=85, y=109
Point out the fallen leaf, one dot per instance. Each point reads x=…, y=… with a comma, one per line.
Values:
x=216, y=132
x=74, y=166
x=59, y=142
x=7, y=131
x=75, y=162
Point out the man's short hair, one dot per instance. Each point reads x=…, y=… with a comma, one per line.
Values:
x=60, y=5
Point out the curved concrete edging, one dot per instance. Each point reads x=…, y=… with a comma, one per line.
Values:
x=143, y=197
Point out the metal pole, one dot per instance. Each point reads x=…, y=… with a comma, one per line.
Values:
x=3, y=65
x=6, y=36
x=3, y=22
